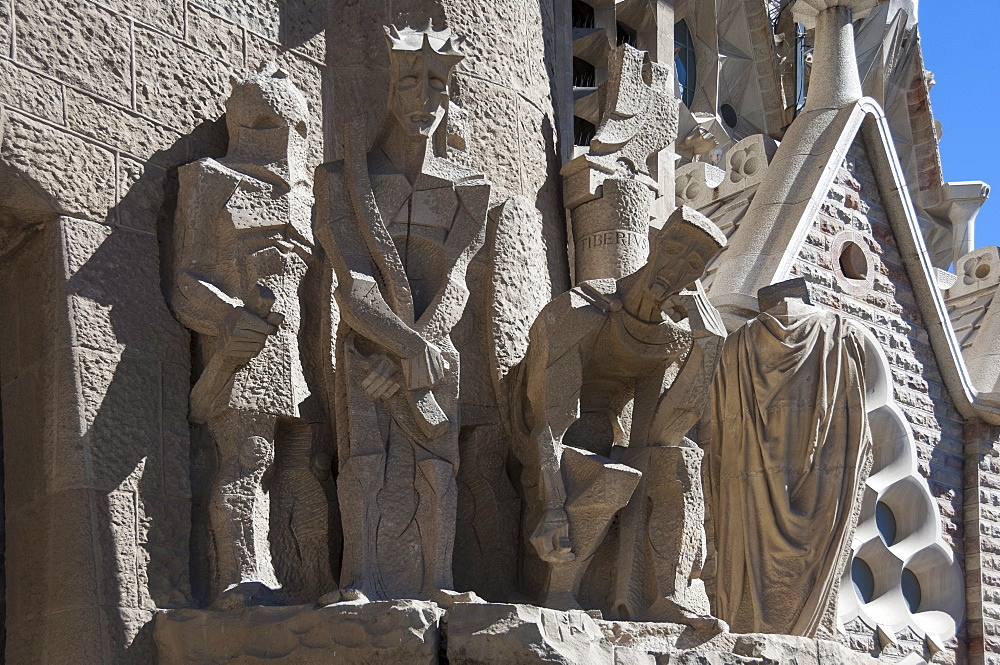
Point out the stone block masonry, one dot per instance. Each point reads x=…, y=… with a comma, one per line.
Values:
x=890, y=311
x=101, y=102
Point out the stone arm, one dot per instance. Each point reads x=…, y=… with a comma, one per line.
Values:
x=362, y=305
x=197, y=297
x=554, y=395
x=201, y=305
x=683, y=405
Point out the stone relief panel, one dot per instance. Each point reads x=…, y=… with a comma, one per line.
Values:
x=425, y=437
x=596, y=391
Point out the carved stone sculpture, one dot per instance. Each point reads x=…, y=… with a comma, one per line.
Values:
x=400, y=225
x=610, y=190
x=243, y=242
x=591, y=349
x=790, y=452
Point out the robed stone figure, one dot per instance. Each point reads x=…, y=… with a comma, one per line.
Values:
x=400, y=225
x=791, y=450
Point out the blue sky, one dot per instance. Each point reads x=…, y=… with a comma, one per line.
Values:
x=961, y=44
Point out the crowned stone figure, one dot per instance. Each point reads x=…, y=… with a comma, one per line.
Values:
x=243, y=244
x=400, y=224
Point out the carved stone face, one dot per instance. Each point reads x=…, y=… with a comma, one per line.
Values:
x=681, y=260
x=420, y=94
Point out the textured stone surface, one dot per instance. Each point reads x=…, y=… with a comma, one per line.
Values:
x=260, y=16
x=524, y=635
x=466, y=634
x=175, y=85
x=384, y=632
x=112, y=125
x=221, y=40
x=164, y=15
x=49, y=33
x=50, y=158
x=27, y=91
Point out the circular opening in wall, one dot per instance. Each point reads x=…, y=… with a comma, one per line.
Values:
x=863, y=580
x=729, y=116
x=853, y=261
x=886, y=523
x=911, y=590
x=983, y=271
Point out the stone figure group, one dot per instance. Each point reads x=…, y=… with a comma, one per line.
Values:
x=362, y=439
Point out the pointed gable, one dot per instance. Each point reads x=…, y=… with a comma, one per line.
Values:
x=768, y=242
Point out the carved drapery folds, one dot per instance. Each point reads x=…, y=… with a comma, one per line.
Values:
x=791, y=449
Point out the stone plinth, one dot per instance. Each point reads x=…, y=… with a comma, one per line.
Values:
x=411, y=631
x=402, y=631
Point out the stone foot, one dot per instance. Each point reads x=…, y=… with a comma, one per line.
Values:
x=670, y=611
x=243, y=595
x=447, y=598
x=343, y=597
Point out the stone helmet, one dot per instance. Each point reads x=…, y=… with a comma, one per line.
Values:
x=266, y=100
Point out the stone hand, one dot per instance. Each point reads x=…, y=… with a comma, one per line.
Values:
x=424, y=368
x=244, y=333
x=381, y=381
x=551, y=537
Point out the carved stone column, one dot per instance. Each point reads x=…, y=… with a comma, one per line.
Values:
x=835, y=82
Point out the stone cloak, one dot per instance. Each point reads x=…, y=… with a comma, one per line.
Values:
x=791, y=447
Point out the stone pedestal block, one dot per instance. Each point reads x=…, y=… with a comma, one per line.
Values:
x=411, y=631
x=495, y=634
x=401, y=631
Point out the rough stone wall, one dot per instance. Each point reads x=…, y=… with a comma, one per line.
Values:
x=891, y=313
x=101, y=101
x=982, y=519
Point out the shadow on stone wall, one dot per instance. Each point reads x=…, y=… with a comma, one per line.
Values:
x=302, y=20
x=135, y=377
